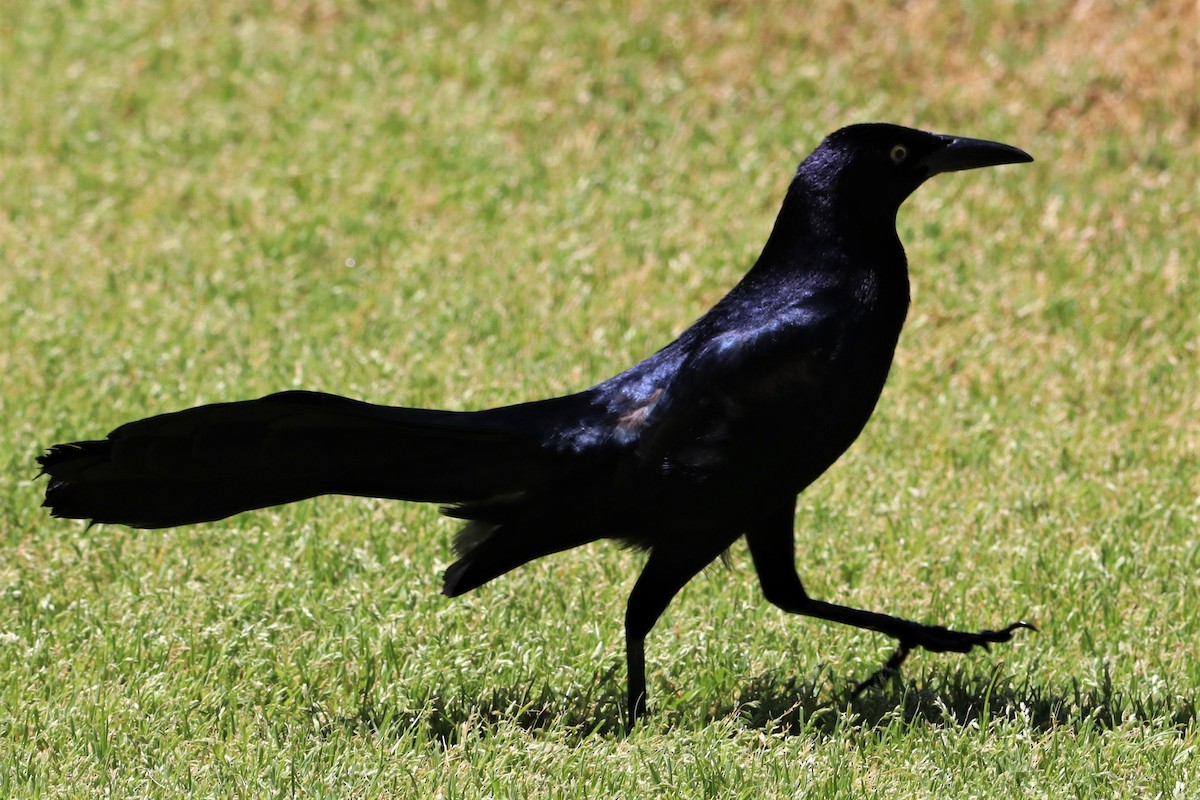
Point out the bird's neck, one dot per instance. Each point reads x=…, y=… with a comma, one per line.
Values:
x=820, y=229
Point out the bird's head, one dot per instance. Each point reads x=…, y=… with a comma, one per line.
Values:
x=880, y=165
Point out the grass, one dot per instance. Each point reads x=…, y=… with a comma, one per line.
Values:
x=206, y=202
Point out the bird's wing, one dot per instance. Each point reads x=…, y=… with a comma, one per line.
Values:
x=743, y=381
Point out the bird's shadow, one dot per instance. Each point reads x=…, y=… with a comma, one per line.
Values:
x=819, y=705
x=958, y=698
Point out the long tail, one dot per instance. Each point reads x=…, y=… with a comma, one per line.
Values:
x=210, y=462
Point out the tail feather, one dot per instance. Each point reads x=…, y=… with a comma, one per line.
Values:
x=210, y=462
x=487, y=550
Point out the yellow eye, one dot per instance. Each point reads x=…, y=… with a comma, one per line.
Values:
x=899, y=153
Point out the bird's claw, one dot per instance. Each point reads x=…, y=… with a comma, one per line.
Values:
x=938, y=639
x=891, y=669
x=1018, y=625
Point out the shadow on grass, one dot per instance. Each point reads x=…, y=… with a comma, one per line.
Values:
x=951, y=699
x=790, y=707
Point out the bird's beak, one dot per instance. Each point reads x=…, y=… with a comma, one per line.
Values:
x=961, y=153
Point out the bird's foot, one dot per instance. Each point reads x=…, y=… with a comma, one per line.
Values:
x=937, y=639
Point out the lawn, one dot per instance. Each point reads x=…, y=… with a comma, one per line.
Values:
x=215, y=201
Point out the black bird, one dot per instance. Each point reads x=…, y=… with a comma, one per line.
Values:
x=709, y=439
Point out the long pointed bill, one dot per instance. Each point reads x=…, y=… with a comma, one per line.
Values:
x=962, y=153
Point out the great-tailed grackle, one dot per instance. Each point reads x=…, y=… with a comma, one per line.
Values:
x=709, y=439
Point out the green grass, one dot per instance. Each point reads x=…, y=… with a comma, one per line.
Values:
x=203, y=202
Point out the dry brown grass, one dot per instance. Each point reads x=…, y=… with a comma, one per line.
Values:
x=1076, y=69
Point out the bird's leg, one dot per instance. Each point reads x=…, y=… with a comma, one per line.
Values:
x=666, y=572
x=771, y=547
x=935, y=638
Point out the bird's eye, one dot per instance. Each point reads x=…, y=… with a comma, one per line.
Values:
x=899, y=153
